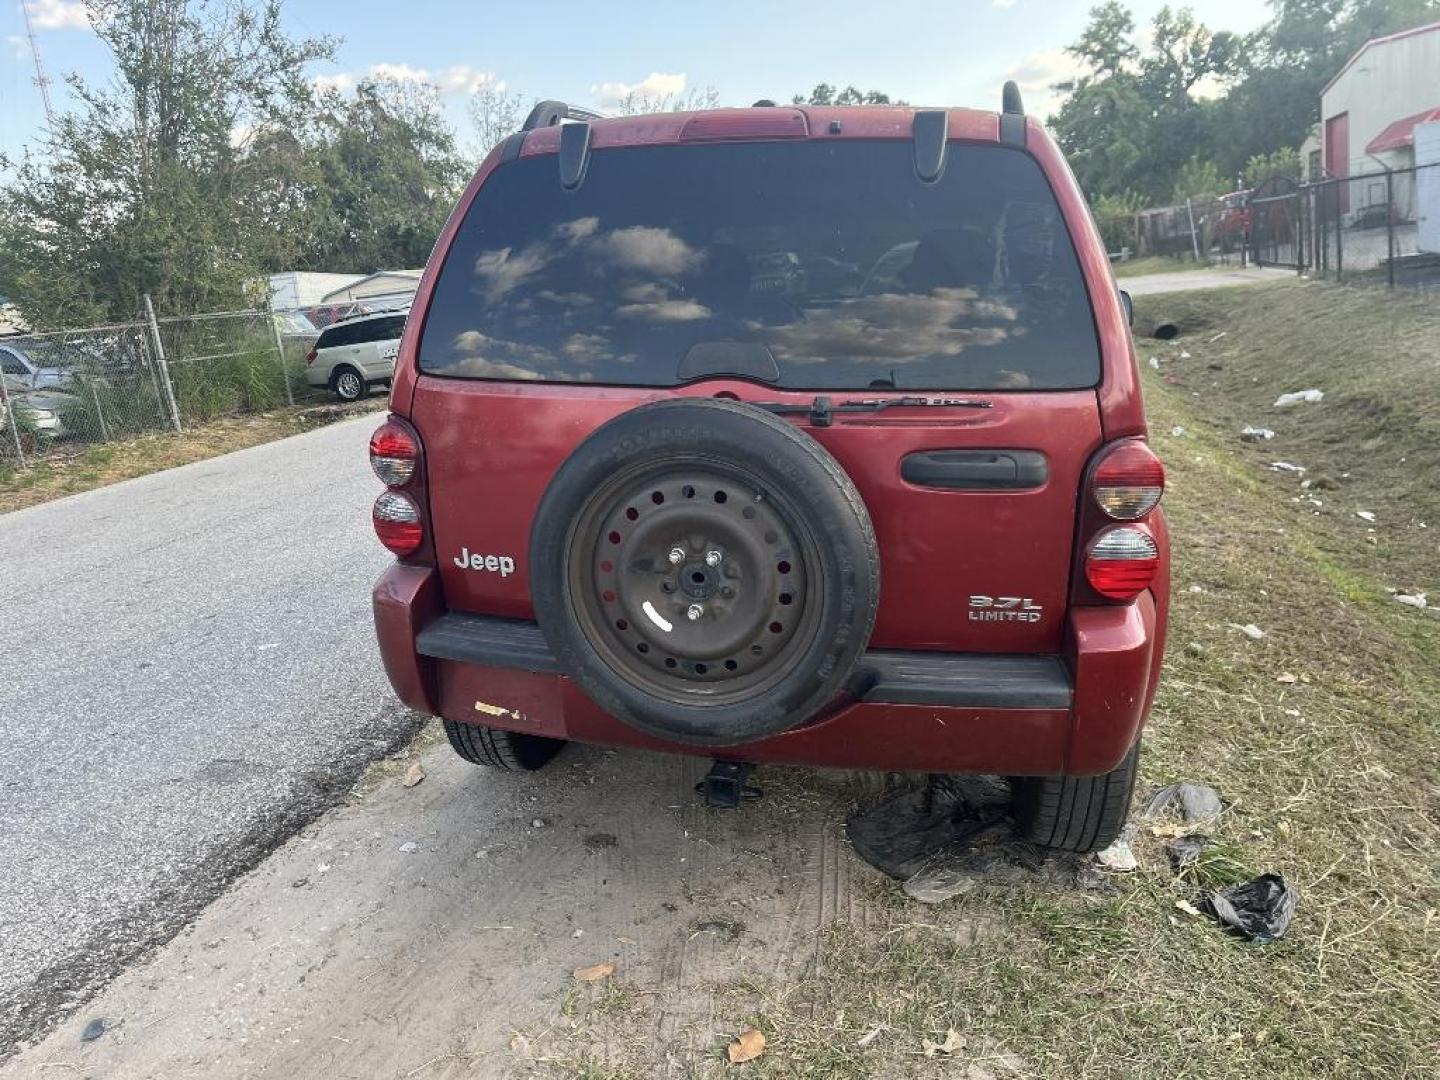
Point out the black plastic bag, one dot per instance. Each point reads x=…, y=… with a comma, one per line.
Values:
x=1259, y=909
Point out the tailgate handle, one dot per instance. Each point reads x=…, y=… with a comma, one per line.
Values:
x=976, y=470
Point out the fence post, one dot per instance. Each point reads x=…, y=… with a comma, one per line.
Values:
x=279, y=349
x=9, y=408
x=1390, y=228
x=99, y=413
x=1194, y=240
x=1340, y=233
x=160, y=359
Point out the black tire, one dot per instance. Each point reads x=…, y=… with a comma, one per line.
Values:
x=1075, y=813
x=513, y=751
x=794, y=478
x=348, y=383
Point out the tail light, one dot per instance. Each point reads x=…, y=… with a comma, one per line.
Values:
x=310, y=356
x=1122, y=562
x=399, y=514
x=1116, y=563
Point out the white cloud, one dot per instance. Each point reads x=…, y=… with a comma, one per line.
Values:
x=655, y=85
x=456, y=79
x=58, y=14
x=1037, y=74
x=1002, y=3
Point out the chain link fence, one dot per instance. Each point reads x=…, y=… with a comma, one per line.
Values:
x=64, y=390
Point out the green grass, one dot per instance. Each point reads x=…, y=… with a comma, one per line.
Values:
x=1156, y=264
x=1332, y=780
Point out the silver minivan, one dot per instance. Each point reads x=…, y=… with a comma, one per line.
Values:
x=351, y=356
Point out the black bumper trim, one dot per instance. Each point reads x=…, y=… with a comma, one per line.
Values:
x=954, y=680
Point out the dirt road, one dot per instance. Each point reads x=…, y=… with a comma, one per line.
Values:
x=432, y=931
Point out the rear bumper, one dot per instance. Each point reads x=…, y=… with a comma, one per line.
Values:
x=905, y=711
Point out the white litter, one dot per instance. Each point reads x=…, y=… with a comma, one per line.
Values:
x=1366, y=515
x=1217, y=337
x=1308, y=397
x=1155, y=362
x=1416, y=600
x=1285, y=466
x=1250, y=630
x=1197, y=588
x=409, y=847
x=1177, y=431
x=1117, y=856
x=1184, y=355
x=1256, y=434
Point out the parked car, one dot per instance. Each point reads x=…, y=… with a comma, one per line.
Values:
x=41, y=414
x=24, y=371
x=638, y=499
x=351, y=356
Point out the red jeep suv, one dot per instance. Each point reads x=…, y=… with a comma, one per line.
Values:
x=779, y=434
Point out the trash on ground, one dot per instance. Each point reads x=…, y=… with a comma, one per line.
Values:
x=1256, y=434
x=1286, y=678
x=1250, y=630
x=409, y=847
x=1196, y=802
x=413, y=775
x=1217, y=337
x=1196, y=589
x=1186, y=850
x=537, y=823
x=1188, y=908
x=747, y=1046
x=1308, y=397
x=870, y=1036
x=1177, y=431
x=1366, y=515
x=1260, y=909
x=1117, y=856
x=1285, y=466
x=1155, y=362
x=94, y=1029
x=953, y=1041
x=1415, y=600
x=594, y=973
x=1184, y=355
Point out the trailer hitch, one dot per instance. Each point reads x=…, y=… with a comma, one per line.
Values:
x=724, y=786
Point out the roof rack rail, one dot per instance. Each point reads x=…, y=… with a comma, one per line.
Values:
x=550, y=113
x=1012, y=115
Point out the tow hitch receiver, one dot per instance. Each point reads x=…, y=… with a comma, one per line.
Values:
x=724, y=785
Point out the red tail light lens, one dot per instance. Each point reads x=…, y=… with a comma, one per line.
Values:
x=725, y=125
x=310, y=356
x=1122, y=562
x=1129, y=481
x=397, y=523
x=393, y=452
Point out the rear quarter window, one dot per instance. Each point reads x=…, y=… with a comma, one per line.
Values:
x=808, y=265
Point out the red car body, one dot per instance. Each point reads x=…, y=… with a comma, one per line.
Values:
x=491, y=447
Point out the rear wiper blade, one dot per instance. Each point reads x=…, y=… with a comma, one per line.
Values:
x=822, y=412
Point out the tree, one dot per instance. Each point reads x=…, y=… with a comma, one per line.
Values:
x=639, y=102
x=385, y=171
x=825, y=94
x=166, y=180
x=495, y=113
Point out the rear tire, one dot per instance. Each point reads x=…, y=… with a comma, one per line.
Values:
x=349, y=384
x=1075, y=813
x=512, y=751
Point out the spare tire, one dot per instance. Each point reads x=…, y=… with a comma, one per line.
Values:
x=706, y=572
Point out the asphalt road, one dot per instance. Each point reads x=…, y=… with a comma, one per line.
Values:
x=188, y=675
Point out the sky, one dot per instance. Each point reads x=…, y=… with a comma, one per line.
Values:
x=956, y=52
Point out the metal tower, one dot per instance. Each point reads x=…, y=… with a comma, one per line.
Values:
x=41, y=79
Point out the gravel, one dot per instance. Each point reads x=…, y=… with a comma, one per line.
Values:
x=190, y=676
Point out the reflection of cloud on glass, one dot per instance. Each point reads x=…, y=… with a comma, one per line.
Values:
x=897, y=327
x=586, y=348
x=503, y=270
x=664, y=311
x=565, y=299
x=574, y=231
x=648, y=250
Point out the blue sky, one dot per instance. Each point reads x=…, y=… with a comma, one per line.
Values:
x=954, y=53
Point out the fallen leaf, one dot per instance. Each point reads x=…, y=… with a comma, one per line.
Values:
x=1187, y=907
x=413, y=775
x=953, y=1041
x=595, y=972
x=747, y=1046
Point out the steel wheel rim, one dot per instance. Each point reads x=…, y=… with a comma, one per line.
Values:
x=759, y=604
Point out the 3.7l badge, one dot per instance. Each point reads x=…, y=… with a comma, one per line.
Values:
x=1004, y=609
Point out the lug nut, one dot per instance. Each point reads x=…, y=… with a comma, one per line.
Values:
x=677, y=556
x=712, y=558
x=694, y=611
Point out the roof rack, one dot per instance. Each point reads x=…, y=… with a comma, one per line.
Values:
x=550, y=113
x=1012, y=115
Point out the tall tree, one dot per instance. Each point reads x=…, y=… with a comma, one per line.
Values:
x=385, y=172
x=825, y=94
x=165, y=180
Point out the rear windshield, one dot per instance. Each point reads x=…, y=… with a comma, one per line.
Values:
x=807, y=265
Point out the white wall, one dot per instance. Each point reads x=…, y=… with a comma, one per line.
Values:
x=1388, y=81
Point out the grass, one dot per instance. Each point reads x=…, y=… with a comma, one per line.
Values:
x=69, y=468
x=1332, y=780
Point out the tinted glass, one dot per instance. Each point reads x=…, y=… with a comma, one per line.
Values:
x=10, y=364
x=810, y=265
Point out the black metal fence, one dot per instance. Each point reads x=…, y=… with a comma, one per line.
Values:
x=1380, y=227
